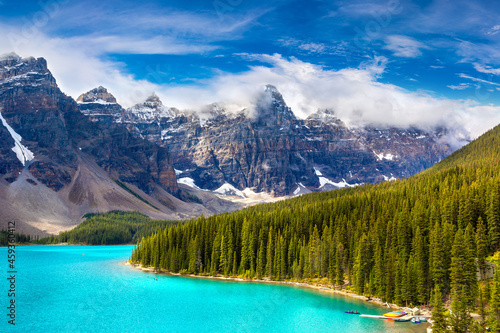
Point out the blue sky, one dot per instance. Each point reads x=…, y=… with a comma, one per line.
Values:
x=398, y=62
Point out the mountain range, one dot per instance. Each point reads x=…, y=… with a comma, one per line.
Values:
x=57, y=165
x=61, y=158
x=267, y=148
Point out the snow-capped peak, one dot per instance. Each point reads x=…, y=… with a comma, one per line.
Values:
x=98, y=95
x=326, y=117
x=152, y=109
x=10, y=56
x=272, y=89
x=153, y=101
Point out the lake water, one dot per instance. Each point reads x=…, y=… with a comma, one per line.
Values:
x=88, y=289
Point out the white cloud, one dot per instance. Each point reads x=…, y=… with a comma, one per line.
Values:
x=461, y=86
x=494, y=30
x=473, y=52
x=313, y=47
x=136, y=45
x=148, y=19
x=76, y=69
x=404, y=46
x=486, y=69
x=333, y=48
x=353, y=93
x=465, y=76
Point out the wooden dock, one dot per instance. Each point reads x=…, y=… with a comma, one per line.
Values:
x=373, y=316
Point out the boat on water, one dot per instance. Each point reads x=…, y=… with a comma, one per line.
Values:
x=394, y=314
x=402, y=319
x=418, y=320
x=352, y=312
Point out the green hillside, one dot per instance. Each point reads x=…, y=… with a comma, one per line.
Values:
x=398, y=241
x=110, y=228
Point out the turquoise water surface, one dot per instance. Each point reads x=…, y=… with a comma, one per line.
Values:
x=88, y=289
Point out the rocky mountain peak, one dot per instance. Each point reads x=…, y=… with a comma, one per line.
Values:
x=326, y=117
x=16, y=71
x=152, y=109
x=12, y=56
x=272, y=109
x=274, y=93
x=153, y=102
x=97, y=95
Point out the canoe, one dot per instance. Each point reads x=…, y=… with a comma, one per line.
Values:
x=356, y=313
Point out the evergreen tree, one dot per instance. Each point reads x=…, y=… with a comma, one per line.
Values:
x=462, y=300
x=480, y=325
x=420, y=267
x=493, y=321
x=494, y=221
x=361, y=265
x=261, y=258
x=481, y=247
x=224, y=262
x=440, y=322
x=270, y=255
x=339, y=264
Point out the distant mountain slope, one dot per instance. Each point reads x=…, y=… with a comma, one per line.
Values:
x=56, y=165
x=480, y=151
x=270, y=150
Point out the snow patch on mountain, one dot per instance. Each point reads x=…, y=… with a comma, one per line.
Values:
x=317, y=172
x=382, y=156
x=23, y=154
x=228, y=189
x=99, y=101
x=189, y=182
x=300, y=190
x=323, y=181
x=387, y=179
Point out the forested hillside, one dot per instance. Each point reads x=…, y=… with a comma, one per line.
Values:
x=398, y=241
x=108, y=229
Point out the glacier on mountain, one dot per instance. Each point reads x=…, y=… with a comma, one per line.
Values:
x=23, y=154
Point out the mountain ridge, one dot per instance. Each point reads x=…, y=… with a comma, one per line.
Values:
x=268, y=149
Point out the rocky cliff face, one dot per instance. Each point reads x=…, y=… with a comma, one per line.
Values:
x=54, y=129
x=269, y=150
x=48, y=147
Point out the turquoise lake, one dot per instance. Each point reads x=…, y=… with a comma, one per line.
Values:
x=88, y=289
